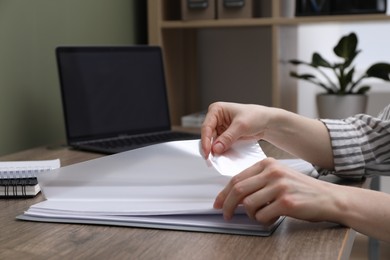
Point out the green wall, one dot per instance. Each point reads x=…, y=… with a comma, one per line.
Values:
x=30, y=104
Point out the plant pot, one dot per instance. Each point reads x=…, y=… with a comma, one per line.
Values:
x=340, y=106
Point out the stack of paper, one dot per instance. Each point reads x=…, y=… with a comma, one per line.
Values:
x=167, y=185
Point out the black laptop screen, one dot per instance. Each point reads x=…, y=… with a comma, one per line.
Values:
x=110, y=91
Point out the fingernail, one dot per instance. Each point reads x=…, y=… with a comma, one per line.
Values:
x=218, y=148
x=205, y=155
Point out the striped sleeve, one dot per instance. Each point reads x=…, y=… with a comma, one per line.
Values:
x=361, y=145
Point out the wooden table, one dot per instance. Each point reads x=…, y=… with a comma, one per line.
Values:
x=294, y=239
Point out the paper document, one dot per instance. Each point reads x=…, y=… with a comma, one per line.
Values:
x=301, y=166
x=167, y=178
x=168, y=185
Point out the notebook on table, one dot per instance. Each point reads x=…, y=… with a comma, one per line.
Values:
x=114, y=98
x=19, y=178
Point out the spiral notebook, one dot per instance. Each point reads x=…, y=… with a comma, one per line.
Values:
x=19, y=178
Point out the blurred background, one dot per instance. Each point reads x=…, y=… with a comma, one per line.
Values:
x=30, y=103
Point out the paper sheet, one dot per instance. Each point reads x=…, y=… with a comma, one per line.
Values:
x=242, y=155
x=165, y=186
x=167, y=178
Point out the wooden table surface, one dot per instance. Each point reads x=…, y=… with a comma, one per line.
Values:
x=294, y=239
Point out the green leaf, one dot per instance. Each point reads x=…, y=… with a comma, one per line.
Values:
x=346, y=47
x=318, y=61
x=349, y=76
x=296, y=62
x=312, y=79
x=379, y=70
x=338, y=65
x=363, y=89
x=346, y=80
x=349, y=61
x=301, y=76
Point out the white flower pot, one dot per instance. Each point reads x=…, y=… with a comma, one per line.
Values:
x=341, y=106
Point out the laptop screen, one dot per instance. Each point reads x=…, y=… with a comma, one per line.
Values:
x=110, y=91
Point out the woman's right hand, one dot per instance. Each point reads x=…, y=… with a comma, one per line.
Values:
x=227, y=122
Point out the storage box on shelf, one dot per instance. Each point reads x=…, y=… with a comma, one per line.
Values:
x=228, y=9
x=198, y=10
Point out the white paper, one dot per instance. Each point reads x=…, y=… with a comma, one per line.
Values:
x=242, y=155
x=301, y=166
x=26, y=169
x=239, y=222
x=167, y=178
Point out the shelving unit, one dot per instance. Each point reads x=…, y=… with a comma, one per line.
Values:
x=200, y=55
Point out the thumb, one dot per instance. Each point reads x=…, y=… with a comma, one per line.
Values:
x=224, y=141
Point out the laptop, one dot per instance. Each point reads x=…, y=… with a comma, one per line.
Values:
x=114, y=98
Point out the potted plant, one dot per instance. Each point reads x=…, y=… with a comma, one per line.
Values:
x=344, y=94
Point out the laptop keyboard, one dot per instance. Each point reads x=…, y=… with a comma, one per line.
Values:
x=142, y=140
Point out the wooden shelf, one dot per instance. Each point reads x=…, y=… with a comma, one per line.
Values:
x=274, y=35
x=332, y=19
x=221, y=23
x=218, y=23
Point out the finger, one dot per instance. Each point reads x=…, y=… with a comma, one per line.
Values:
x=270, y=213
x=238, y=188
x=261, y=205
x=226, y=138
x=206, y=139
x=246, y=174
x=260, y=198
x=208, y=132
x=264, y=191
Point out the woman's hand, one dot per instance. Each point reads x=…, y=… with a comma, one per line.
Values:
x=300, y=136
x=227, y=122
x=269, y=190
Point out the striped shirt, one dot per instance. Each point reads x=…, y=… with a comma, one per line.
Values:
x=361, y=145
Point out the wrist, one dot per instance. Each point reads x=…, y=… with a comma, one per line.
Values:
x=339, y=204
x=278, y=124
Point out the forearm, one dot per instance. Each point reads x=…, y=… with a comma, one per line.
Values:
x=366, y=211
x=303, y=137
